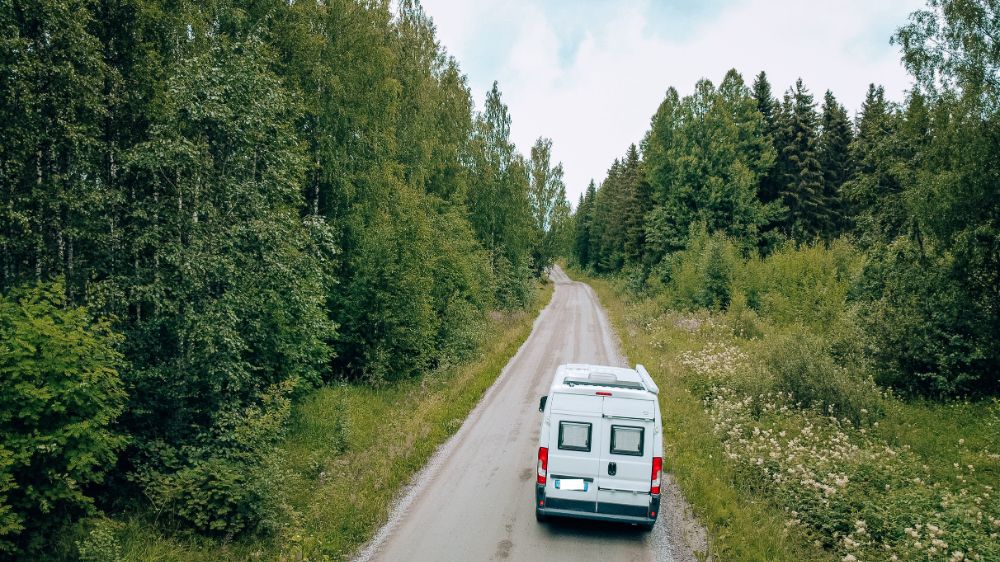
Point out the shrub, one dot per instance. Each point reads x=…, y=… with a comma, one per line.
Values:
x=227, y=483
x=462, y=290
x=804, y=285
x=701, y=276
x=801, y=365
x=634, y=278
x=926, y=334
x=513, y=287
x=743, y=321
x=61, y=393
x=101, y=543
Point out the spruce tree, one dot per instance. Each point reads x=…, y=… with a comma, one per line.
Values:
x=583, y=226
x=638, y=202
x=769, y=109
x=876, y=191
x=802, y=183
x=836, y=136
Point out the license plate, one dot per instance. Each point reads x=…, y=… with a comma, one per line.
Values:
x=576, y=484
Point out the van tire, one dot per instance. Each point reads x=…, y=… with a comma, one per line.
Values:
x=540, y=517
x=646, y=527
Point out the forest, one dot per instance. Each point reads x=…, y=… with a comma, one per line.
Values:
x=912, y=187
x=209, y=210
x=820, y=294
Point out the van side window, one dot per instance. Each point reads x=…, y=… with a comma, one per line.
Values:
x=626, y=440
x=574, y=436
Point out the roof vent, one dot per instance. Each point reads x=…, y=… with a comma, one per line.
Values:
x=597, y=377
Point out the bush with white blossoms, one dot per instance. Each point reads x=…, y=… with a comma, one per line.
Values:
x=853, y=492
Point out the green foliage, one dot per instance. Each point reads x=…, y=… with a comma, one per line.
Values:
x=225, y=295
x=876, y=191
x=549, y=208
x=914, y=479
x=801, y=187
x=707, y=154
x=583, y=224
x=914, y=186
x=230, y=182
x=702, y=275
x=933, y=299
x=387, y=311
x=499, y=203
x=836, y=136
x=62, y=393
x=52, y=113
x=101, y=543
x=463, y=287
x=809, y=285
x=923, y=335
x=337, y=489
x=802, y=365
x=227, y=482
x=743, y=320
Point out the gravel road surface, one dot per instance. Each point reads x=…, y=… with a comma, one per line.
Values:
x=475, y=498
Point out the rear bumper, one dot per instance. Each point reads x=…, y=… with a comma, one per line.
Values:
x=595, y=510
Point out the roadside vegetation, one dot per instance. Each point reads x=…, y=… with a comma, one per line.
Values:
x=211, y=211
x=785, y=455
x=337, y=475
x=821, y=297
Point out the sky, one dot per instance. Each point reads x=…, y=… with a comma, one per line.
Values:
x=589, y=74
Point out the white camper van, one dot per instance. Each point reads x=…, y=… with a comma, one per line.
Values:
x=600, y=450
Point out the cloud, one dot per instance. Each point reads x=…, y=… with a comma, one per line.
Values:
x=591, y=80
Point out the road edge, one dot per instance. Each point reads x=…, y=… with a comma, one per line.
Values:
x=401, y=503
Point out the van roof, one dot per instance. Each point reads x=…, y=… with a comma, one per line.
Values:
x=581, y=379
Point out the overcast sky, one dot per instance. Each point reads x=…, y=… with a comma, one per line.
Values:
x=589, y=74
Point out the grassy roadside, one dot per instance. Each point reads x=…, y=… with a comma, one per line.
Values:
x=860, y=475
x=741, y=525
x=339, y=473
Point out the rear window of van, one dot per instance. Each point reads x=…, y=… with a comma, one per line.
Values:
x=626, y=440
x=574, y=436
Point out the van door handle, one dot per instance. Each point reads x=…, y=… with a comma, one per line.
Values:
x=612, y=468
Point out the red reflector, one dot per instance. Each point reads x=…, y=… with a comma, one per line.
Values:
x=603, y=393
x=652, y=514
x=541, y=502
x=543, y=464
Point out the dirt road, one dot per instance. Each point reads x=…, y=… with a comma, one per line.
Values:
x=475, y=499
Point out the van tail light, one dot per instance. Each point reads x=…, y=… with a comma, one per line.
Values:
x=543, y=464
x=654, y=479
x=602, y=393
